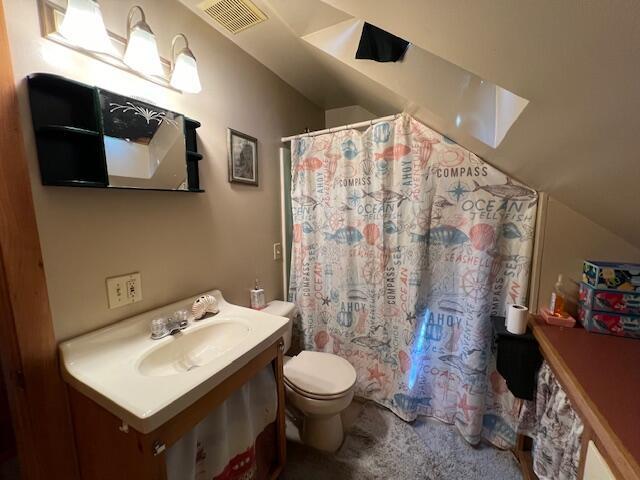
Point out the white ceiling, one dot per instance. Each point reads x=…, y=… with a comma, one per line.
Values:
x=576, y=61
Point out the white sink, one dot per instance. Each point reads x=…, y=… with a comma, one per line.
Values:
x=146, y=382
x=194, y=348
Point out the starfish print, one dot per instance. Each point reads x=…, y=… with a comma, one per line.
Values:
x=466, y=408
x=458, y=191
x=326, y=301
x=411, y=318
x=375, y=374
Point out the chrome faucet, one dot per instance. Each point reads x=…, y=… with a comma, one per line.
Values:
x=165, y=326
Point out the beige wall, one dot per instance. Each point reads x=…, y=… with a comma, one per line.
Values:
x=337, y=117
x=181, y=243
x=568, y=238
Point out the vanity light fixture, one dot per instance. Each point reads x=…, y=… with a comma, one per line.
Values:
x=141, y=52
x=84, y=27
x=184, y=69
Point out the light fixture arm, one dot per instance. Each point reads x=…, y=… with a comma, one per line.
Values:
x=141, y=24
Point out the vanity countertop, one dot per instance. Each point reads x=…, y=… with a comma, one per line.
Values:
x=146, y=382
x=601, y=376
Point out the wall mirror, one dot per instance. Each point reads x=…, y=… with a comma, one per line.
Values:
x=91, y=137
x=144, y=145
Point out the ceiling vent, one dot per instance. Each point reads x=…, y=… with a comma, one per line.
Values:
x=234, y=15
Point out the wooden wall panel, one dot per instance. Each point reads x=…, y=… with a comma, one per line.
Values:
x=27, y=345
x=7, y=441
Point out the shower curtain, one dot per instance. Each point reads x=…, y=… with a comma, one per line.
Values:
x=404, y=245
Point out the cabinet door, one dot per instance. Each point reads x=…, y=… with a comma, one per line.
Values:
x=595, y=467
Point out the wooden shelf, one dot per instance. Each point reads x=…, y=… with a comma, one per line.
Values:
x=67, y=129
x=89, y=184
x=191, y=190
x=194, y=155
x=75, y=183
x=192, y=123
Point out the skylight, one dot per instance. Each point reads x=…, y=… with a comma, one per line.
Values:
x=465, y=103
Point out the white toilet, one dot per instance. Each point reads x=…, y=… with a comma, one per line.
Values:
x=320, y=385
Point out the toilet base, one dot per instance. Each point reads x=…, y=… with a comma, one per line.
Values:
x=322, y=432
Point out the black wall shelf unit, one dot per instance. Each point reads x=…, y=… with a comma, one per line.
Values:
x=67, y=121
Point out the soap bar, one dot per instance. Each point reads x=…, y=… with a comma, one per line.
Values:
x=557, y=320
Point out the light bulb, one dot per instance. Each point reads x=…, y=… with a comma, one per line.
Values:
x=142, y=51
x=185, y=73
x=84, y=27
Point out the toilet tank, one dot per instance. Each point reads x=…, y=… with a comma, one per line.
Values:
x=283, y=309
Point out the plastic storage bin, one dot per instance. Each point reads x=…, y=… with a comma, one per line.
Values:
x=610, y=300
x=612, y=275
x=609, y=323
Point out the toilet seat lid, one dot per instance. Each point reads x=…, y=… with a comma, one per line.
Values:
x=319, y=373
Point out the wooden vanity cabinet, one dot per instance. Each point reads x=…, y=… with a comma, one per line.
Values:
x=108, y=449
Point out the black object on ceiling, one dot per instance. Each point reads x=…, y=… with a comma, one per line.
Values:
x=380, y=45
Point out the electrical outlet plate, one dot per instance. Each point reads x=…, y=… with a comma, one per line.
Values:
x=124, y=290
x=277, y=251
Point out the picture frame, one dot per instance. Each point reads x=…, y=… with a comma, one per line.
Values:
x=243, y=157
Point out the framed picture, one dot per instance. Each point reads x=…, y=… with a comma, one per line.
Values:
x=243, y=158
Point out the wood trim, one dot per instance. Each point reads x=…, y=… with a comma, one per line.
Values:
x=104, y=451
x=28, y=348
x=538, y=249
x=522, y=451
x=282, y=437
x=613, y=450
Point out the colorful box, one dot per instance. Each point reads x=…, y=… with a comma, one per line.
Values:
x=627, y=303
x=612, y=275
x=609, y=323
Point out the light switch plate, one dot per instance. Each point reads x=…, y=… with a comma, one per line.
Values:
x=277, y=251
x=124, y=290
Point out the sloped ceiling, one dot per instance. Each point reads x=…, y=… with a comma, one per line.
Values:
x=576, y=61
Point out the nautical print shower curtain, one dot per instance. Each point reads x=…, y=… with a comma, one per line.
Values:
x=404, y=244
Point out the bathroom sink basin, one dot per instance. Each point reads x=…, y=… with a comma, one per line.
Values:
x=193, y=348
x=146, y=382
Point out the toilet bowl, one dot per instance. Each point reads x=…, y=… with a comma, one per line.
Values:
x=319, y=385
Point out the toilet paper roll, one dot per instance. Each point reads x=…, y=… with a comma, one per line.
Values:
x=517, y=316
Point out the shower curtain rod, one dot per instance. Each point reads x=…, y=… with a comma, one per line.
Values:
x=343, y=127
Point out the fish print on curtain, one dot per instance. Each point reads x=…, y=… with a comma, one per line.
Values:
x=404, y=244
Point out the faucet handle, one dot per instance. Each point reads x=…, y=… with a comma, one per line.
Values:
x=181, y=319
x=159, y=327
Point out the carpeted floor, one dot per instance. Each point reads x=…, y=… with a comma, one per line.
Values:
x=379, y=445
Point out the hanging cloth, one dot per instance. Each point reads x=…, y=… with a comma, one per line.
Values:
x=556, y=443
x=380, y=45
x=404, y=245
x=234, y=441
